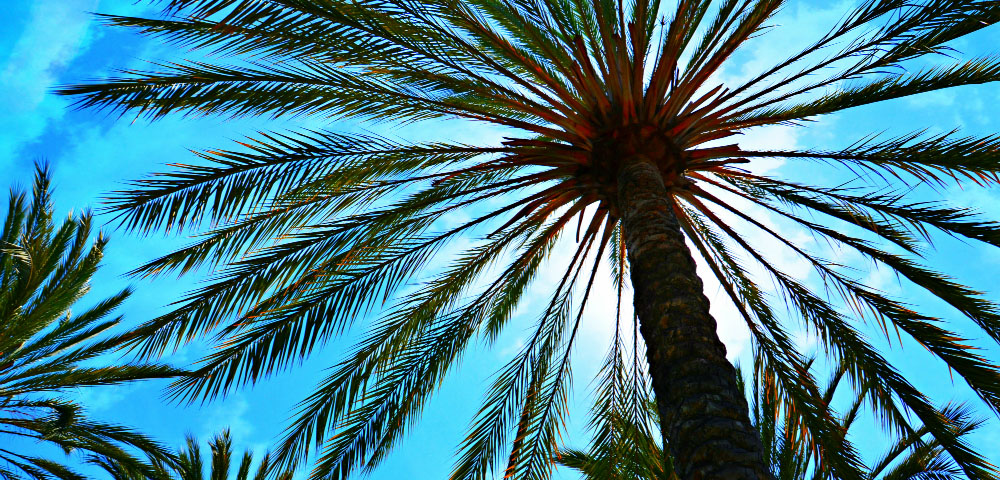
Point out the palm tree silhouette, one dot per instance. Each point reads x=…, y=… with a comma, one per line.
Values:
x=189, y=464
x=47, y=351
x=621, y=137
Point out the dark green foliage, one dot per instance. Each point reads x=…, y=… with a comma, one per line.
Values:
x=189, y=464
x=309, y=233
x=625, y=447
x=47, y=351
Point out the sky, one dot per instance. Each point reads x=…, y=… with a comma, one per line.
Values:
x=46, y=43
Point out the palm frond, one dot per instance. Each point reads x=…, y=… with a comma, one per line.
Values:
x=45, y=268
x=310, y=232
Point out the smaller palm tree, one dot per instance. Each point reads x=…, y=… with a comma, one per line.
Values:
x=189, y=464
x=46, y=352
x=625, y=447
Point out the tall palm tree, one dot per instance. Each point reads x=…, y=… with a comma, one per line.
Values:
x=189, y=464
x=47, y=352
x=618, y=135
x=626, y=449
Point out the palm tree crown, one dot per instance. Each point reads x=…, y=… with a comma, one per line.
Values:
x=620, y=137
x=189, y=464
x=46, y=352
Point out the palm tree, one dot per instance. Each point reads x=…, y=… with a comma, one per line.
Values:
x=46, y=352
x=188, y=464
x=626, y=449
x=619, y=136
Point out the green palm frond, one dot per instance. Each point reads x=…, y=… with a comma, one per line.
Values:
x=627, y=448
x=45, y=268
x=623, y=423
x=189, y=464
x=307, y=233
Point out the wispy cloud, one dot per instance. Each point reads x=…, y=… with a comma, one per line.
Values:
x=56, y=32
x=229, y=414
x=102, y=399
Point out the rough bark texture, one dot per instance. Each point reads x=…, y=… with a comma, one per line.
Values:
x=703, y=414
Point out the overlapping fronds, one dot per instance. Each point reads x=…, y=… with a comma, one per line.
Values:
x=626, y=443
x=47, y=352
x=310, y=232
x=641, y=457
x=189, y=464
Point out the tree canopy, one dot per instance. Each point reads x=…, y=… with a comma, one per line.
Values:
x=47, y=351
x=190, y=464
x=309, y=232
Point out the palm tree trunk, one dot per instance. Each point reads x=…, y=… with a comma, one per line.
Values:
x=703, y=413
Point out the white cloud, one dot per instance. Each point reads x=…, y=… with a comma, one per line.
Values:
x=238, y=415
x=52, y=38
x=56, y=32
x=938, y=99
x=512, y=348
x=231, y=414
x=101, y=399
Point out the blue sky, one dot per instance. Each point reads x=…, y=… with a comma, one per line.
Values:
x=51, y=42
